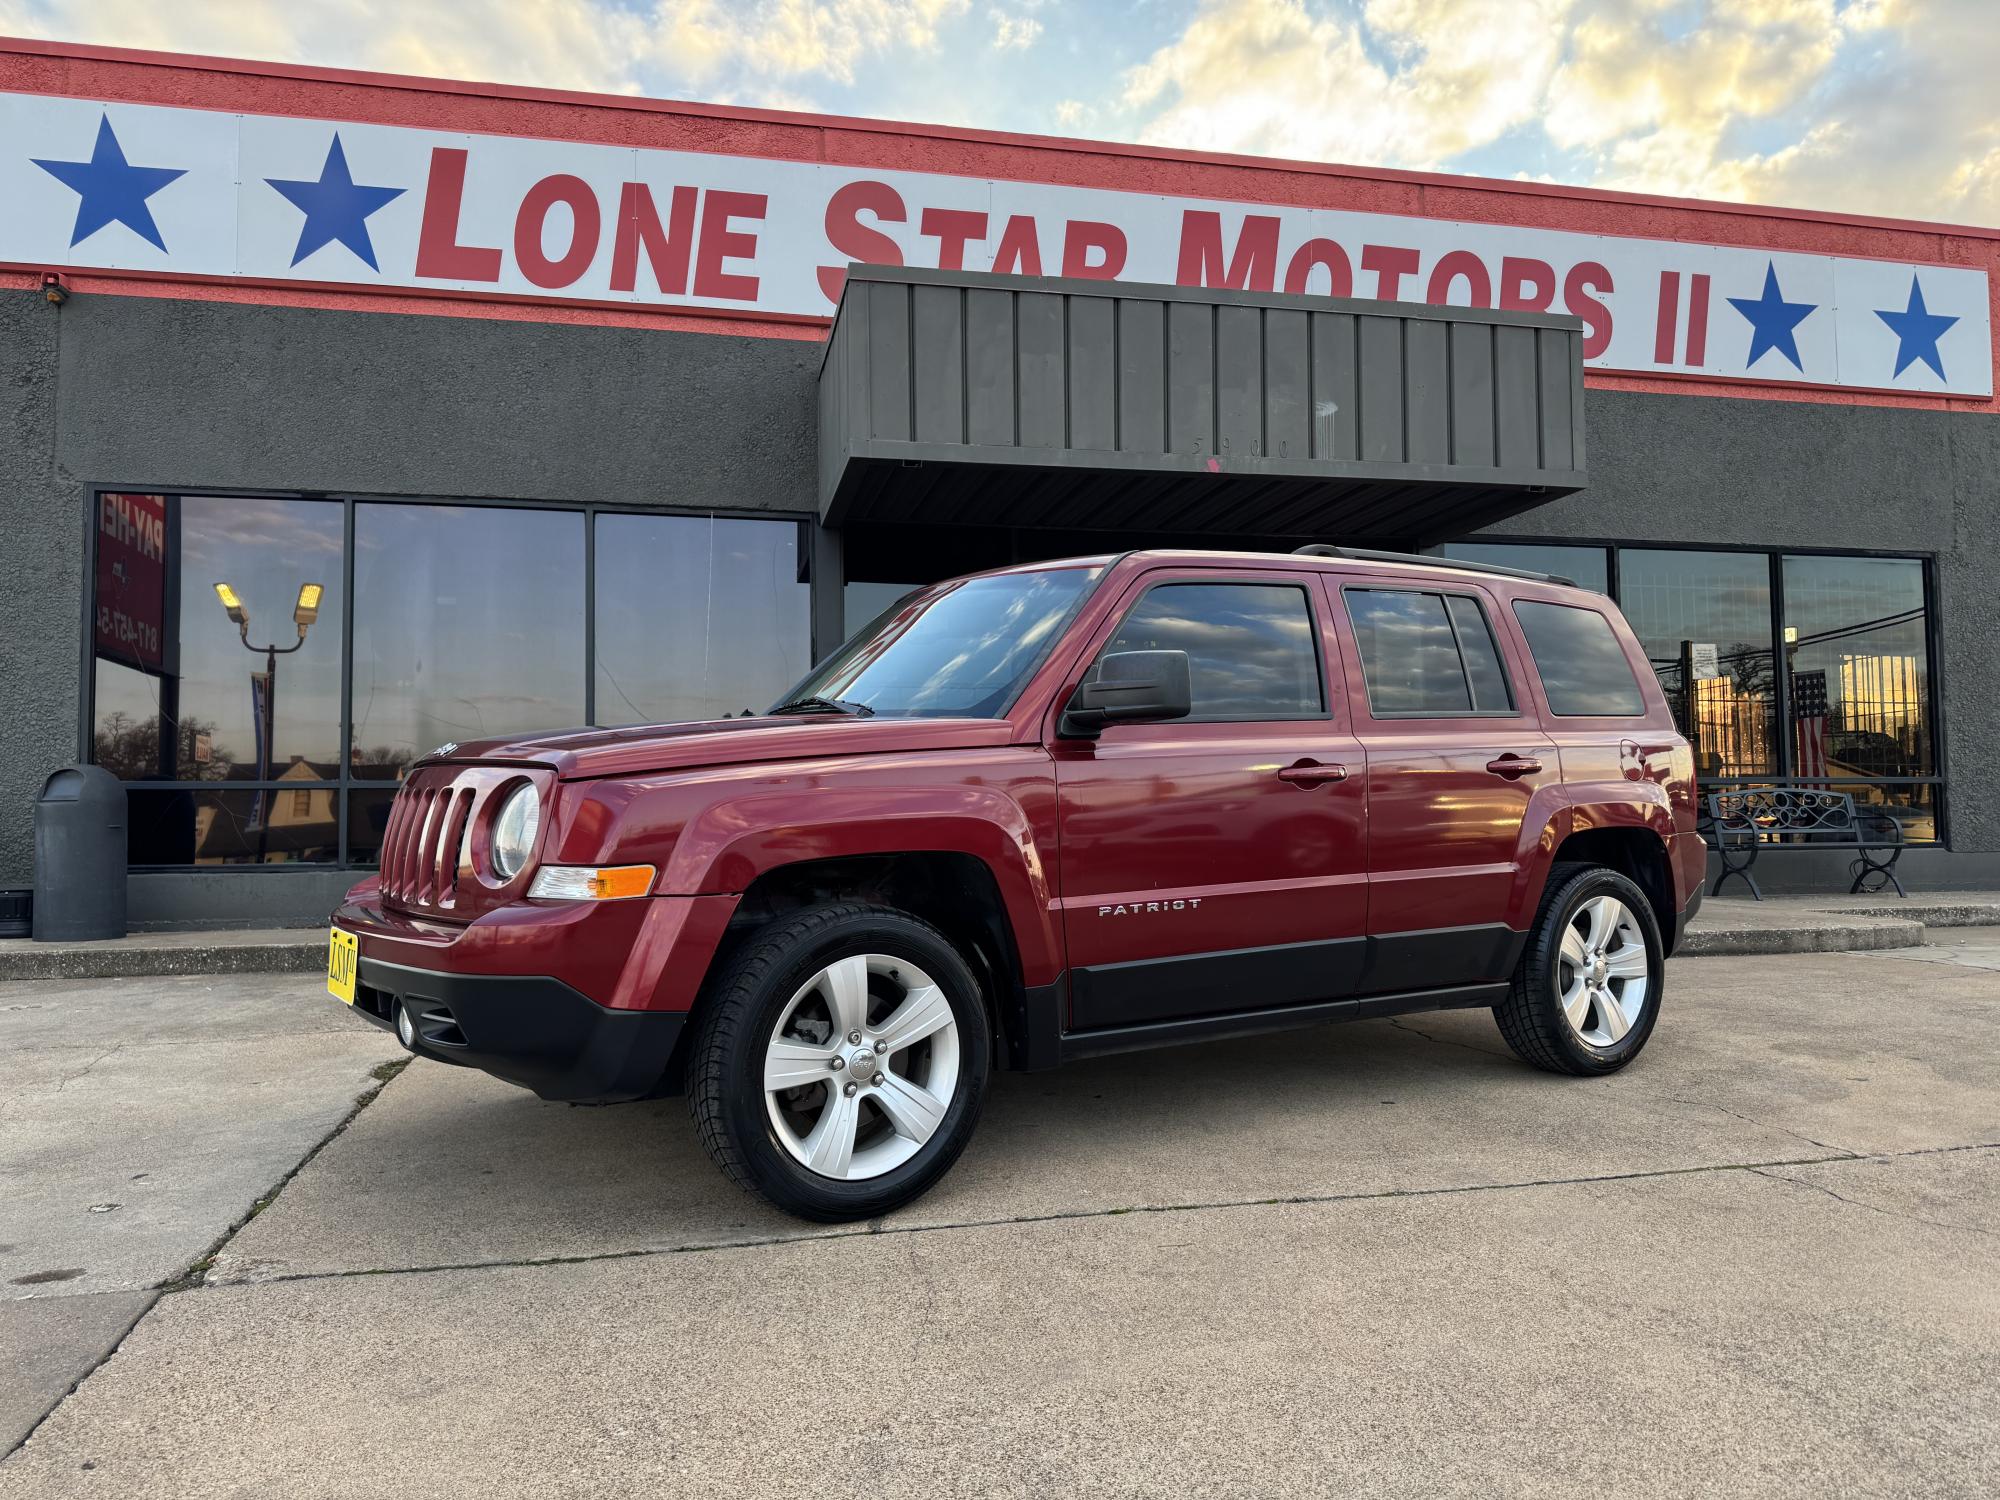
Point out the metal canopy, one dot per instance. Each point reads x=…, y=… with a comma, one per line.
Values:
x=965, y=397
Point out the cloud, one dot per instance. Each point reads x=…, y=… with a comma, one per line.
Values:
x=555, y=44
x=1014, y=32
x=1878, y=106
x=1412, y=82
x=1911, y=130
x=701, y=39
x=752, y=47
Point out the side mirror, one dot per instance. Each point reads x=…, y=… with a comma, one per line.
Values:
x=1128, y=687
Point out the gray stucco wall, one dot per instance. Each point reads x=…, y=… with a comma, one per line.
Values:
x=157, y=393
x=152, y=392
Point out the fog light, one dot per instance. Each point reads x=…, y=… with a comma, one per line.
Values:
x=582, y=883
x=406, y=1028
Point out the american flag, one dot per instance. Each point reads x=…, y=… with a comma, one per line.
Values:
x=1809, y=714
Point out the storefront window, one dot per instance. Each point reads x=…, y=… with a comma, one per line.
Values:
x=1857, y=650
x=186, y=692
x=698, y=617
x=1687, y=606
x=468, y=621
x=1588, y=566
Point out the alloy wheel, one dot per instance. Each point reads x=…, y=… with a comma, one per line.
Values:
x=861, y=1067
x=1603, y=974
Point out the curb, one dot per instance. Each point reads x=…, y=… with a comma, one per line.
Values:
x=126, y=959
x=1841, y=937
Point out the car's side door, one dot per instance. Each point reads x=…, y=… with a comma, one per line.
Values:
x=1215, y=863
x=1455, y=755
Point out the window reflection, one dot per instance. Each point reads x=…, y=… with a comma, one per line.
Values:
x=224, y=826
x=1249, y=646
x=178, y=697
x=1857, y=650
x=468, y=622
x=1583, y=668
x=1588, y=566
x=1409, y=656
x=1679, y=600
x=965, y=652
x=698, y=617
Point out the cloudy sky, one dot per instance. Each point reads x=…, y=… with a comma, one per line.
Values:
x=1872, y=106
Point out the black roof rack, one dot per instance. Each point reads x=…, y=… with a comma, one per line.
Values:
x=1369, y=554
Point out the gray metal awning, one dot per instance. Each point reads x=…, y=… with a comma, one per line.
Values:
x=970, y=398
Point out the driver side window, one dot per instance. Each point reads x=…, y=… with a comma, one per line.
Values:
x=1251, y=647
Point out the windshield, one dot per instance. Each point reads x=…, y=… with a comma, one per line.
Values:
x=964, y=652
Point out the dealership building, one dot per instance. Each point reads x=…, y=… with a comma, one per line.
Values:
x=346, y=415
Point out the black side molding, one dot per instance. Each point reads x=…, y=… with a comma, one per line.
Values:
x=1146, y=990
x=1080, y=1044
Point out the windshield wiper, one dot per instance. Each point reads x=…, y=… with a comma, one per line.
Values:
x=813, y=704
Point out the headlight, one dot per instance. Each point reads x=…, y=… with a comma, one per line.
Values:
x=514, y=832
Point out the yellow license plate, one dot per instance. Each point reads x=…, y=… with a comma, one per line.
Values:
x=343, y=957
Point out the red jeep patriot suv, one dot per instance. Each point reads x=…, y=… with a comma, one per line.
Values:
x=1040, y=814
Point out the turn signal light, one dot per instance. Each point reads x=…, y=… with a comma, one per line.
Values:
x=580, y=883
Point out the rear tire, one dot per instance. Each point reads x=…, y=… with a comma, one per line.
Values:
x=840, y=1062
x=1587, y=990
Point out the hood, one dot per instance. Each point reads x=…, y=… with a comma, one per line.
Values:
x=646, y=748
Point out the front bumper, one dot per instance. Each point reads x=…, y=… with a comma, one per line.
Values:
x=533, y=1031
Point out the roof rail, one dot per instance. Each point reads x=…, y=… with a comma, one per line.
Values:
x=1369, y=554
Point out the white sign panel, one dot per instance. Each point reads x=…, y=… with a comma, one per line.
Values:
x=277, y=198
x=1703, y=660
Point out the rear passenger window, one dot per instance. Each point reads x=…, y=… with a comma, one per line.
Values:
x=1427, y=655
x=1583, y=669
x=1482, y=658
x=1250, y=646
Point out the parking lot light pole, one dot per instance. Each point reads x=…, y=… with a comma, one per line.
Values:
x=303, y=614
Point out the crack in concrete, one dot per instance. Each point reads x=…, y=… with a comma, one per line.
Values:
x=1887, y=1213
x=68, y=1078
x=194, y=1274
x=1445, y=1041
x=877, y=1228
x=1760, y=1124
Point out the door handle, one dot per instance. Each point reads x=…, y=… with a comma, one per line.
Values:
x=1312, y=773
x=1512, y=766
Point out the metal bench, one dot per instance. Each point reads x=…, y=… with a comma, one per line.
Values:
x=1744, y=821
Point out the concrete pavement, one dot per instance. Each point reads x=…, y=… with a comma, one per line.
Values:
x=140, y=1119
x=1761, y=1261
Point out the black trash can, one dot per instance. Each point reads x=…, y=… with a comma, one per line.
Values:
x=80, y=856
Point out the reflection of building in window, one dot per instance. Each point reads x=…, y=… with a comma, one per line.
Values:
x=1733, y=728
x=301, y=804
x=1882, y=695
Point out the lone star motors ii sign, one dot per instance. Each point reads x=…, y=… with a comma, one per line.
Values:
x=280, y=198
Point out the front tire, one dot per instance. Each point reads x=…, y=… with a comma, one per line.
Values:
x=1586, y=992
x=840, y=1062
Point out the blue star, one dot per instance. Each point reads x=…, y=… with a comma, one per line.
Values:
x=110, y=188
x=1772, y=320
x=1917, y=331
x=336, y=207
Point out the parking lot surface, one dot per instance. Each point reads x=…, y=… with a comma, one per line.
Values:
x=1382, y=1259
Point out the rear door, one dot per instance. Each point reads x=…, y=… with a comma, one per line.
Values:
x=1455, y=754
x=1216, y=863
